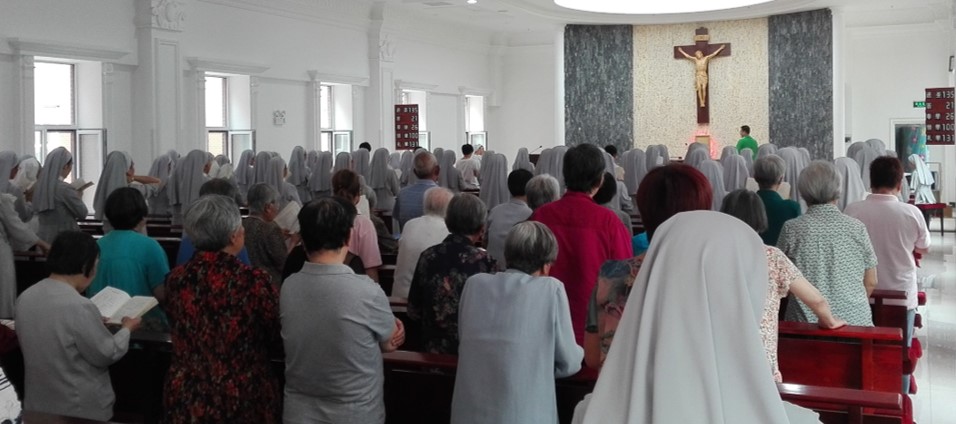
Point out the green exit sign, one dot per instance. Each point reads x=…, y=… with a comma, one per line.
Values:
x=919, y=104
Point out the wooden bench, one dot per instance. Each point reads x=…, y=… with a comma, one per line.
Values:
x=419, y=387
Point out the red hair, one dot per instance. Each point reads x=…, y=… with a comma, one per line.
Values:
x=669, y=190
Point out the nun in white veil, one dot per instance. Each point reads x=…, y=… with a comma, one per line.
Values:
x=922, y=181
x=735, y=173
x=494, y=186
x=57, y=204
x=805, y=153
x=448, y=175
x=383, y=180
x=654, y=157
x=621, y=201
x=10, y=167
x=696, y=156
x=688, y=348
x=320, y=182
x=523, y=161
x=299, y=174
x=395, y=163
x=27, y=176
x=276, y=177
x=853, y=189
x=715, y=174
x=696, y=146
x=905, y=191
x=343, y=160
x=557, y=165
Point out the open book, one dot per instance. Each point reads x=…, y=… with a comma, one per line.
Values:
x=288, y=218
x=115, y=304
x=79, y=184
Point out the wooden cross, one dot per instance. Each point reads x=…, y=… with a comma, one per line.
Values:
x=701, y=52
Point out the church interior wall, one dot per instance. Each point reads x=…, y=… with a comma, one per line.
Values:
x=526, y=116
x=664, y=96
x=801, y=81
x=888, y=68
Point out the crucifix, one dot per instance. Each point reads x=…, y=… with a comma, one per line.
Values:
x=701, y=53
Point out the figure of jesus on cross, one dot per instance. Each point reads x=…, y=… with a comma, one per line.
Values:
x=703, y=53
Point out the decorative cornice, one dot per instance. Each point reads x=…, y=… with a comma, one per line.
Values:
x=69, y=51
x=225, y=66
x=409, y=85
x=351, y=14
x=338, y=79
x=168, y=14
x=471, y=91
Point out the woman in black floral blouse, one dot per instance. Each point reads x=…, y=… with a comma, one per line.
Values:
x=224, y=318
x=442, y=270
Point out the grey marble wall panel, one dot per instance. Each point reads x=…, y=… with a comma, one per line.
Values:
x=801, y=81
x=599, y=80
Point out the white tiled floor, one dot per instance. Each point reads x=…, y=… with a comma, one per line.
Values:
x=935, y=403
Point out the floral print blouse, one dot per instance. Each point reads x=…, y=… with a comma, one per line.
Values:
x=436, y=289
x=224, y=319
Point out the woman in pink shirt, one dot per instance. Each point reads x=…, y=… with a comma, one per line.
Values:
x=364, y=242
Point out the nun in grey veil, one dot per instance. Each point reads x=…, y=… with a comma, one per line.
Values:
x=795, y=164
x=727, y=151
x=635, y=168
x=343, y=160
x=544, y=163
x=244, y=172
x=360, y=163
x=715, y=174
x=8, y=163
x=853, y=189
x=116, y=173
x=299, y=174
x=159, y=199
x=523, y=161
x=261, y=168
x=448, y=175
x=188, y=176
x=766, y=150
x=494, y=186
x=320, y=182
x=735, y=173
x=696, y=156
x=383, y=180
x=748, y=156
x=57, y=204
x=408, y=176
x=276, y=177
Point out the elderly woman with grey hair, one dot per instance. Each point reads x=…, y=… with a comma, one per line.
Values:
x=768, y=172
x=442, y=271
x=225, y=320
x=541, y=190
x=832, y=250
x=267, y=247
x=516, y=322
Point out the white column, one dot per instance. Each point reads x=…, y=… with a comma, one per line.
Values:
x=158, y=81
x=379, y=116
x=558, y=88
x=314, y=120
x=839, y=83
x=199, y=128
x=25, y=115
x=109, y=120
x=254, y=102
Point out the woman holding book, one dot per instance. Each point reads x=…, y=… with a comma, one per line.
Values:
x=58, y=205
x=129, y=260
x=224, y=319
x=66, y=348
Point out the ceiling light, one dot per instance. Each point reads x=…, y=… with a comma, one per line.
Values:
x=472, y=2
x=653, y=7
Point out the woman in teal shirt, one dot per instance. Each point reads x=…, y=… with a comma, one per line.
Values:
x=129, y=260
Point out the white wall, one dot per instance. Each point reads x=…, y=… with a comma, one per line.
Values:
x=887, y=69
x=291, y=97
x=526, y=116
x=445, y=121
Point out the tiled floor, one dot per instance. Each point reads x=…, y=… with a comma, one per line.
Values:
x=935, y=403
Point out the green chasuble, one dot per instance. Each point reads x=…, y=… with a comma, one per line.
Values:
x=748, y=142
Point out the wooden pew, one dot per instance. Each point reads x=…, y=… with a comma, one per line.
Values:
x=866, y=358
x=419, y=387
x=30, y=417
x=30, y=268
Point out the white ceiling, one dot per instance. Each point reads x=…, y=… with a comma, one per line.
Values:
x=527, y=16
